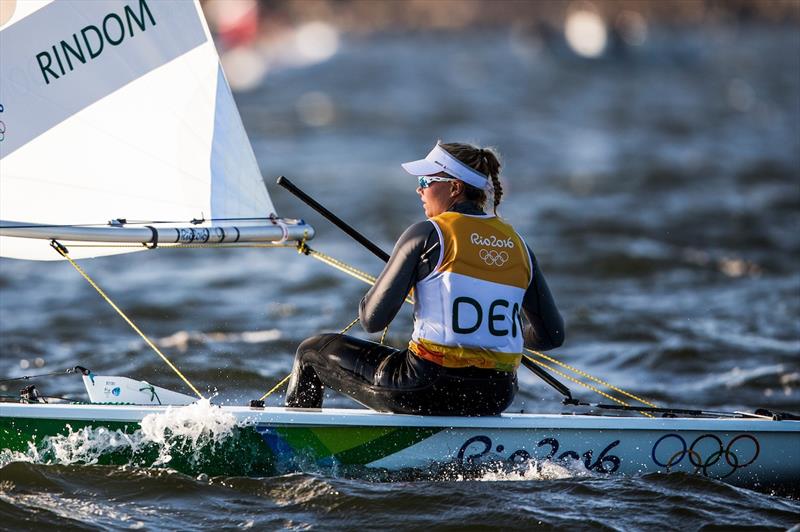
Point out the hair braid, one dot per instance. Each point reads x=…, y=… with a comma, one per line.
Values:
x=485, y=161
x=498, y=191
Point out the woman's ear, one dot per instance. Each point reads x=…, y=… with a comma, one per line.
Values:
x=456, y=188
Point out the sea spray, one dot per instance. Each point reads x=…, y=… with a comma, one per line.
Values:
x=189, y=429
x=495, y=470
x=535, y=470
x=86, y=445
x=194, y=439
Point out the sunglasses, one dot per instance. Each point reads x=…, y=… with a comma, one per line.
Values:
x=426, y=180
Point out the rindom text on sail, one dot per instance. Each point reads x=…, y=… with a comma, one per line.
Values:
x=90, y=41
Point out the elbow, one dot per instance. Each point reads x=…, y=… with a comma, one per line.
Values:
x=553, y=340
x=370, y=326
x=367, y=319
x=557, y=334
x=544, y=337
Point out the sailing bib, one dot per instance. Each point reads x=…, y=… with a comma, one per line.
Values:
x=467, y=311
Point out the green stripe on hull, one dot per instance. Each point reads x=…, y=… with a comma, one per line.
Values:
x=243, y=453
x=351, y=445
x=393, y=442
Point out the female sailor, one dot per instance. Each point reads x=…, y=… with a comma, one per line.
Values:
x=479, y=298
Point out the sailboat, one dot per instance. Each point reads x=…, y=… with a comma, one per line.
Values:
x=92, y=163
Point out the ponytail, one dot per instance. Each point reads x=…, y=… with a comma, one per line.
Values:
x=485, y=161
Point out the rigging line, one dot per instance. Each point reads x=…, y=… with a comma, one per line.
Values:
x=171, y=245
x=52, y=226
x=276, y=387
x=64, y=253
x=286, y=378
x=239, y=219
x=67, y=399
x=344, y=267
x=369, y=279
x=383, y=336
x=585, y=385
x=28, y=377
x=139, y=222
x=339, y=265
x=350, y=326
x=592, y=378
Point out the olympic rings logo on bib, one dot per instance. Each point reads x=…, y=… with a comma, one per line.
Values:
x=491, y=241
x=492, y=257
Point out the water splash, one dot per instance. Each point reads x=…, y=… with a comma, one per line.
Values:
x=536, y=470
x=502, y=471
x=198, y=438
x=83, y=446
x=190, y=428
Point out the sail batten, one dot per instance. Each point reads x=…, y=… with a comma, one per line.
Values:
x=118, y=109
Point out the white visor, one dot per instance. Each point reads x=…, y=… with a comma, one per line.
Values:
x=439, y=160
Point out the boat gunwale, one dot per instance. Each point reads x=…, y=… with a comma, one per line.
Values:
x=281, y=416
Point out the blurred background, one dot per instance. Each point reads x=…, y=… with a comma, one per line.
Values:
x=651, y=158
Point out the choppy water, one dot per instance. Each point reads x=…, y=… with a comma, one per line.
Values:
x=660, y=189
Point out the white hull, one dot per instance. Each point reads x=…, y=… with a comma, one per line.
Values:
x=746, y=452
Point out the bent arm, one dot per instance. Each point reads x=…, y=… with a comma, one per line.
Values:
x=545, y=327
x=382, y=302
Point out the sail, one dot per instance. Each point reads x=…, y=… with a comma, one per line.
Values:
x=117, y=109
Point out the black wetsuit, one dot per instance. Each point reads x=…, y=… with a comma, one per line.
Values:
x=392, y=380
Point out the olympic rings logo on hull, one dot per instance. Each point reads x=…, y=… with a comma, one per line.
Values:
x=707, y=453
x=492, y=257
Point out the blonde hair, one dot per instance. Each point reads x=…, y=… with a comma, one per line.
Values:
x=485, y=161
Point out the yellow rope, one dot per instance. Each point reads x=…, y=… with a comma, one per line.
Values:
x=343, y=267
x=303, y=248
x=383, y=336
x=350, y=326
x=577, y=381
x=585, y=385
x=365, y=277
x=286, y=378
x=368, y=279
x=590, y=377
x=274, y=388
x=62, y=251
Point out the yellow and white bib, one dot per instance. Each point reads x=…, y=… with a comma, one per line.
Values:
x=467, y=311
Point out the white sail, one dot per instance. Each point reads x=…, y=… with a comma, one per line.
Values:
x=117, y=109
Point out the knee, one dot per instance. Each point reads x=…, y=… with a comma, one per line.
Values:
x=313, y=350
x=315, y=344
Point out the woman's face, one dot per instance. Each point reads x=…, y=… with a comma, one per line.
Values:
x=438, y=196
